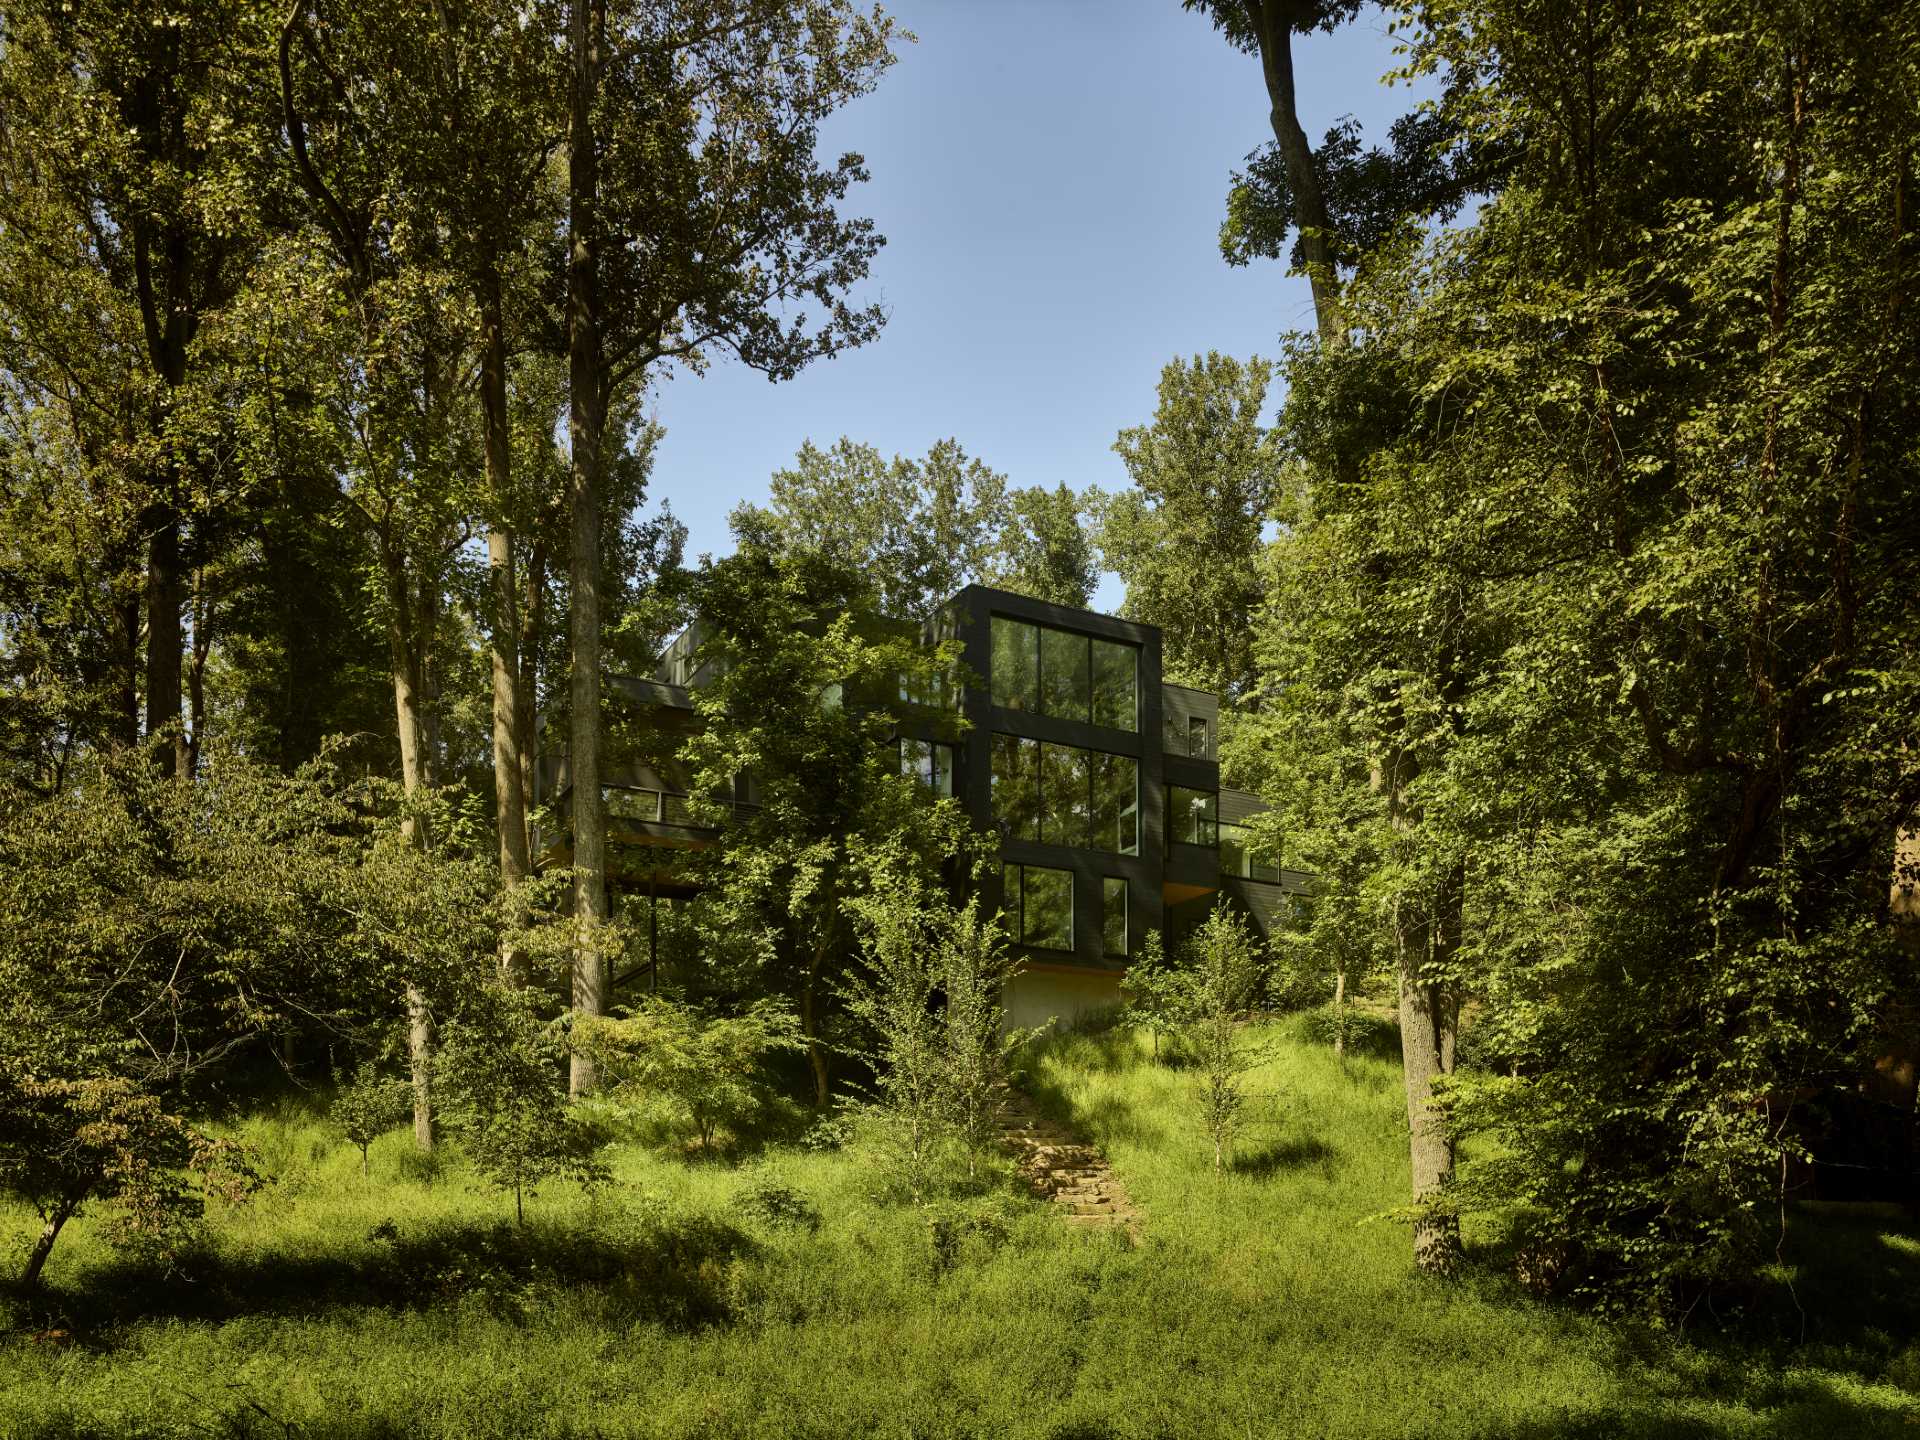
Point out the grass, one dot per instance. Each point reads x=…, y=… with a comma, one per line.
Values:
x=683, y=1300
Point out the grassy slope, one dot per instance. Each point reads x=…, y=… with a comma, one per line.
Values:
x=1257, y=1305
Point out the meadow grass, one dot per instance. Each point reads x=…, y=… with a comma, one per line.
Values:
x=1261, y=1302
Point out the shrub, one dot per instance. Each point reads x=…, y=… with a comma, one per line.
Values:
x=710, y=1069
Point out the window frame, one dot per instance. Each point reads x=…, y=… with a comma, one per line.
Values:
x=1013, y=888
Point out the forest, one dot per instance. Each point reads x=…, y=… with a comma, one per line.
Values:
x=1559, y=584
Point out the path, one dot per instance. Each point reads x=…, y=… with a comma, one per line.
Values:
x=1061, y=1167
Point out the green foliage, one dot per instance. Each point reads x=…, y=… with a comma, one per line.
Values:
x=1222, y=978
x=710, y=1069
x=1156, y=988
x=689, y=1317
x=1186, y=539
x=499, y=1074
x=368, y=1105
x=1045, y=549
x=977, y=1046
x=1592, y=618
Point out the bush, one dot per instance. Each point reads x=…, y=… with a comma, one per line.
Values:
x=778, y=1206
x=709, y=1069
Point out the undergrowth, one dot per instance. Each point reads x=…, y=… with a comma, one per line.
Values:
x=786, y=1291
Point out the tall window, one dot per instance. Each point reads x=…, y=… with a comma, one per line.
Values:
x=1039, y=904
x=1016, y=785
x=1197, y=736
x=1113, y=915
x=1065, y=674
x=1016, y=664
x=1063, y=795
x=1066, y=689
x=930, y=762
x=1193, y=816
x=1116, y=685
x=1116, y=804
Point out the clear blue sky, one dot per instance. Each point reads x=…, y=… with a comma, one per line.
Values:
x=1050, y=176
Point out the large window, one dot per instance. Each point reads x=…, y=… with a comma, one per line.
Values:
x=1065, y=674
x=930, y=762
x=1066, y=689
x=1016, y=786
x=1039, y=904
x=1192, y=816
x=1113, y=916
x=1063, y=795
x=1016, y=664
x=1236, y=855
x=1116, y=669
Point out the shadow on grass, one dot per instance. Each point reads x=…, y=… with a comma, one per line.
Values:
x=1281, y=1156
x=670, y=1272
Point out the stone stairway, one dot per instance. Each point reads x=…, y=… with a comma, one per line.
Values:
x=1061, y=1167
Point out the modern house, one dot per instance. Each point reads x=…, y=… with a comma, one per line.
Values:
x=1102, y=781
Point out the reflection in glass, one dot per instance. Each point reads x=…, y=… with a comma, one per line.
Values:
x=1016, y=664
x=1192, y=815
x=1115, y=688
x=1116, y=804
x=1046, y=905
x=1113, y=915
x=1064, y=686
x=1197, y=736
x=1063, y=795
x=1237, y=858
x=624, y=804
x=930, y=762
x=674, y=809
x=1016, y=786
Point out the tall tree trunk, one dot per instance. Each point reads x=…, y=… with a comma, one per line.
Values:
x=586, y=421
x=165, y=643
x=420, y=1063
x=202, y=645
x=408, y=704
x=1429, y=1016
x=509, y=793
x=533, y=633
x=126, y=689
x=1339, y=1013
x=810, y=1017
x=1273, y=26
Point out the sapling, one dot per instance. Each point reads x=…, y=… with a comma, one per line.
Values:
x=367, y=1106
x=1225, y=969
x=977, y=1047
x=499, y=1069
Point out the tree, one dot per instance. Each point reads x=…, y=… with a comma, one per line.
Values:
x=1044, y=549
x=133, y=153
x=499, y=1069
x=1584, y=607
x=1186, y=540
x=65, y=1143
x=977, y=1046
x=806, y=702
x=368, y=1105
x=698, y=217
x=1222, y=974
x=923, y=528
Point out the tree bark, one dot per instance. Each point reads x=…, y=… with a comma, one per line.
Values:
x=810, y=1019
x=509, y=794
x=533, y=630
x=420, y=1063
x=1273, y=27
x=165, y=641
x=1429, y=1016
x=1339, y=1014
x=64, y=1209
x=586, y=420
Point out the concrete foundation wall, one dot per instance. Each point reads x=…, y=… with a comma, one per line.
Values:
x=1039, y=996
